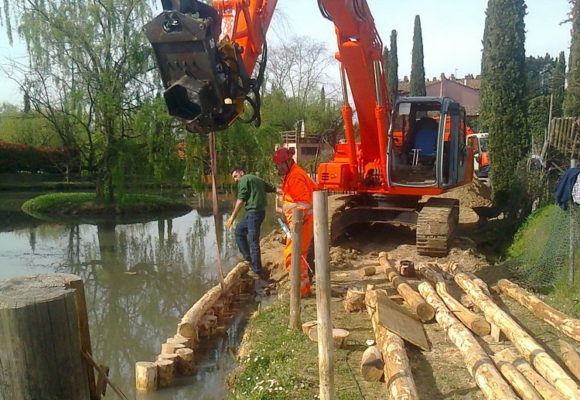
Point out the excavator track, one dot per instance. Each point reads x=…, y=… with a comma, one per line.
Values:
x=436, y=224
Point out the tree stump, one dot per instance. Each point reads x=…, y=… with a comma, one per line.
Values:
x=146, y=376
x=40, y=348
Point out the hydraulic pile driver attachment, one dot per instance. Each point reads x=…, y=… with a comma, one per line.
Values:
x=205, y=80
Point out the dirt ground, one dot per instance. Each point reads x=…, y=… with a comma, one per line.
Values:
x=441, y=372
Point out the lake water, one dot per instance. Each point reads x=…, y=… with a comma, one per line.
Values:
x=140, y=278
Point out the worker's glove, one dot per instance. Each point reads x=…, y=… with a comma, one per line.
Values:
x=229, y=222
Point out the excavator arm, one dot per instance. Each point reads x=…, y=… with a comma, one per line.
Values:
x=206, y=55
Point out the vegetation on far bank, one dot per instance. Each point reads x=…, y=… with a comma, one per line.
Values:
x=84, y=204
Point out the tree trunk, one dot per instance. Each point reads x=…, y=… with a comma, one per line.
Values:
x=414, y=299
x=562, y=322
x=543, y=387
x=40, y=348
x=454, y=268
x=399, y=379
x=527, y=346
x=479, y=365
x=473, y=321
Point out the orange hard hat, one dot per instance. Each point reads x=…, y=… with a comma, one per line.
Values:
x=283, y=154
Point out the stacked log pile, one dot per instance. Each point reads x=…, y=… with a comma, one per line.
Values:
x=204, y=319
x=529, y=373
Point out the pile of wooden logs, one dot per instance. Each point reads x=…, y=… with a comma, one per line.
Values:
x=204, y=319
x=529, y=373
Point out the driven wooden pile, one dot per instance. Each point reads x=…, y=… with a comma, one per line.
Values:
x=204, y=319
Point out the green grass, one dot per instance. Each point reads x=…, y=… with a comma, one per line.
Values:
x=80, y=204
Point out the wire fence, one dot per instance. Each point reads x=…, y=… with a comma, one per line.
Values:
x=550, y=251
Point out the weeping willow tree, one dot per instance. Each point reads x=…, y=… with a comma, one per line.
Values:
x=87, y=73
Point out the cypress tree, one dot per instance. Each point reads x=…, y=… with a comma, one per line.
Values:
x=503, y=90
x=393, y=77
x=558, y=80
x=386, y=66
x=417, y=67
x=572, y=97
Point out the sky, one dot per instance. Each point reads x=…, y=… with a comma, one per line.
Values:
x=452, y=32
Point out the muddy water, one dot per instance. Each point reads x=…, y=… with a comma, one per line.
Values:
x=139, y=278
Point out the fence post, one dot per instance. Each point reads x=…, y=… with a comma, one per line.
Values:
x=295, y=268
x=572, y=249
x=323, y=297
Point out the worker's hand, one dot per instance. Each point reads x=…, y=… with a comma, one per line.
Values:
x=230, y=222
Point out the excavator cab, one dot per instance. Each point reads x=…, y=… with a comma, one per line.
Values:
x=427, y=143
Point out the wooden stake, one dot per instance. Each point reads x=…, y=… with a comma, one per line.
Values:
x=296, y=266
x=473, y=321
x=323, y=297
x=188, y=325
x=479, y=365
x=146, y=376
x=526, y=345
x=165, y=373
x=562, y=322
x=398, y=376
x=414, y=299
x=185, y=362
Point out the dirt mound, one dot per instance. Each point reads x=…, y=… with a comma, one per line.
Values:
x=474, y=194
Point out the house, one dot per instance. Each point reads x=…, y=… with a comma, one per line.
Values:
x=465, y=91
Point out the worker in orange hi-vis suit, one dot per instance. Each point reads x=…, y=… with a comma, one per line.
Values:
x=297, y=189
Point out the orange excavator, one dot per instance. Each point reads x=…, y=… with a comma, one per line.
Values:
x=206, y=55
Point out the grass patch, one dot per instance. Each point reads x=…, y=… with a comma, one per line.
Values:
x=54, y=205
x=279, y=363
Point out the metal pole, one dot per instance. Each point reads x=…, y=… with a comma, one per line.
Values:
x=295, y=269
x=323, y=296
x=572, y=249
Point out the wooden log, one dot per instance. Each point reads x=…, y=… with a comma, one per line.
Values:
x=178, y=339
x=168, y=356
x=454, y=268
x=354, y=300
x=188, y=325
x=423, y=310
x=562, y=322
x=570, y=357
x=340, y=337
x=476, y=323
x=146, y=376
x=517, y=380
x=41, y=349
x=398, y=376
x=169, y=348
x=543, y=387
x=479, y=365
x=165, y=373
x=185, y=362
x=323, y=297
x=367, y=271
x=84, y=332
x=372, y=366
x=526, y=345
x=307, y=326
x=295, y=267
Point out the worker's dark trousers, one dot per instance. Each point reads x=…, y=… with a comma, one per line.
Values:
x=248, y=238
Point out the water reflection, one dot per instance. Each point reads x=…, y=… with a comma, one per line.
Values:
x=139, y=280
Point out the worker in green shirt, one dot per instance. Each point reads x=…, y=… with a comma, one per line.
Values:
x=251, y=194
